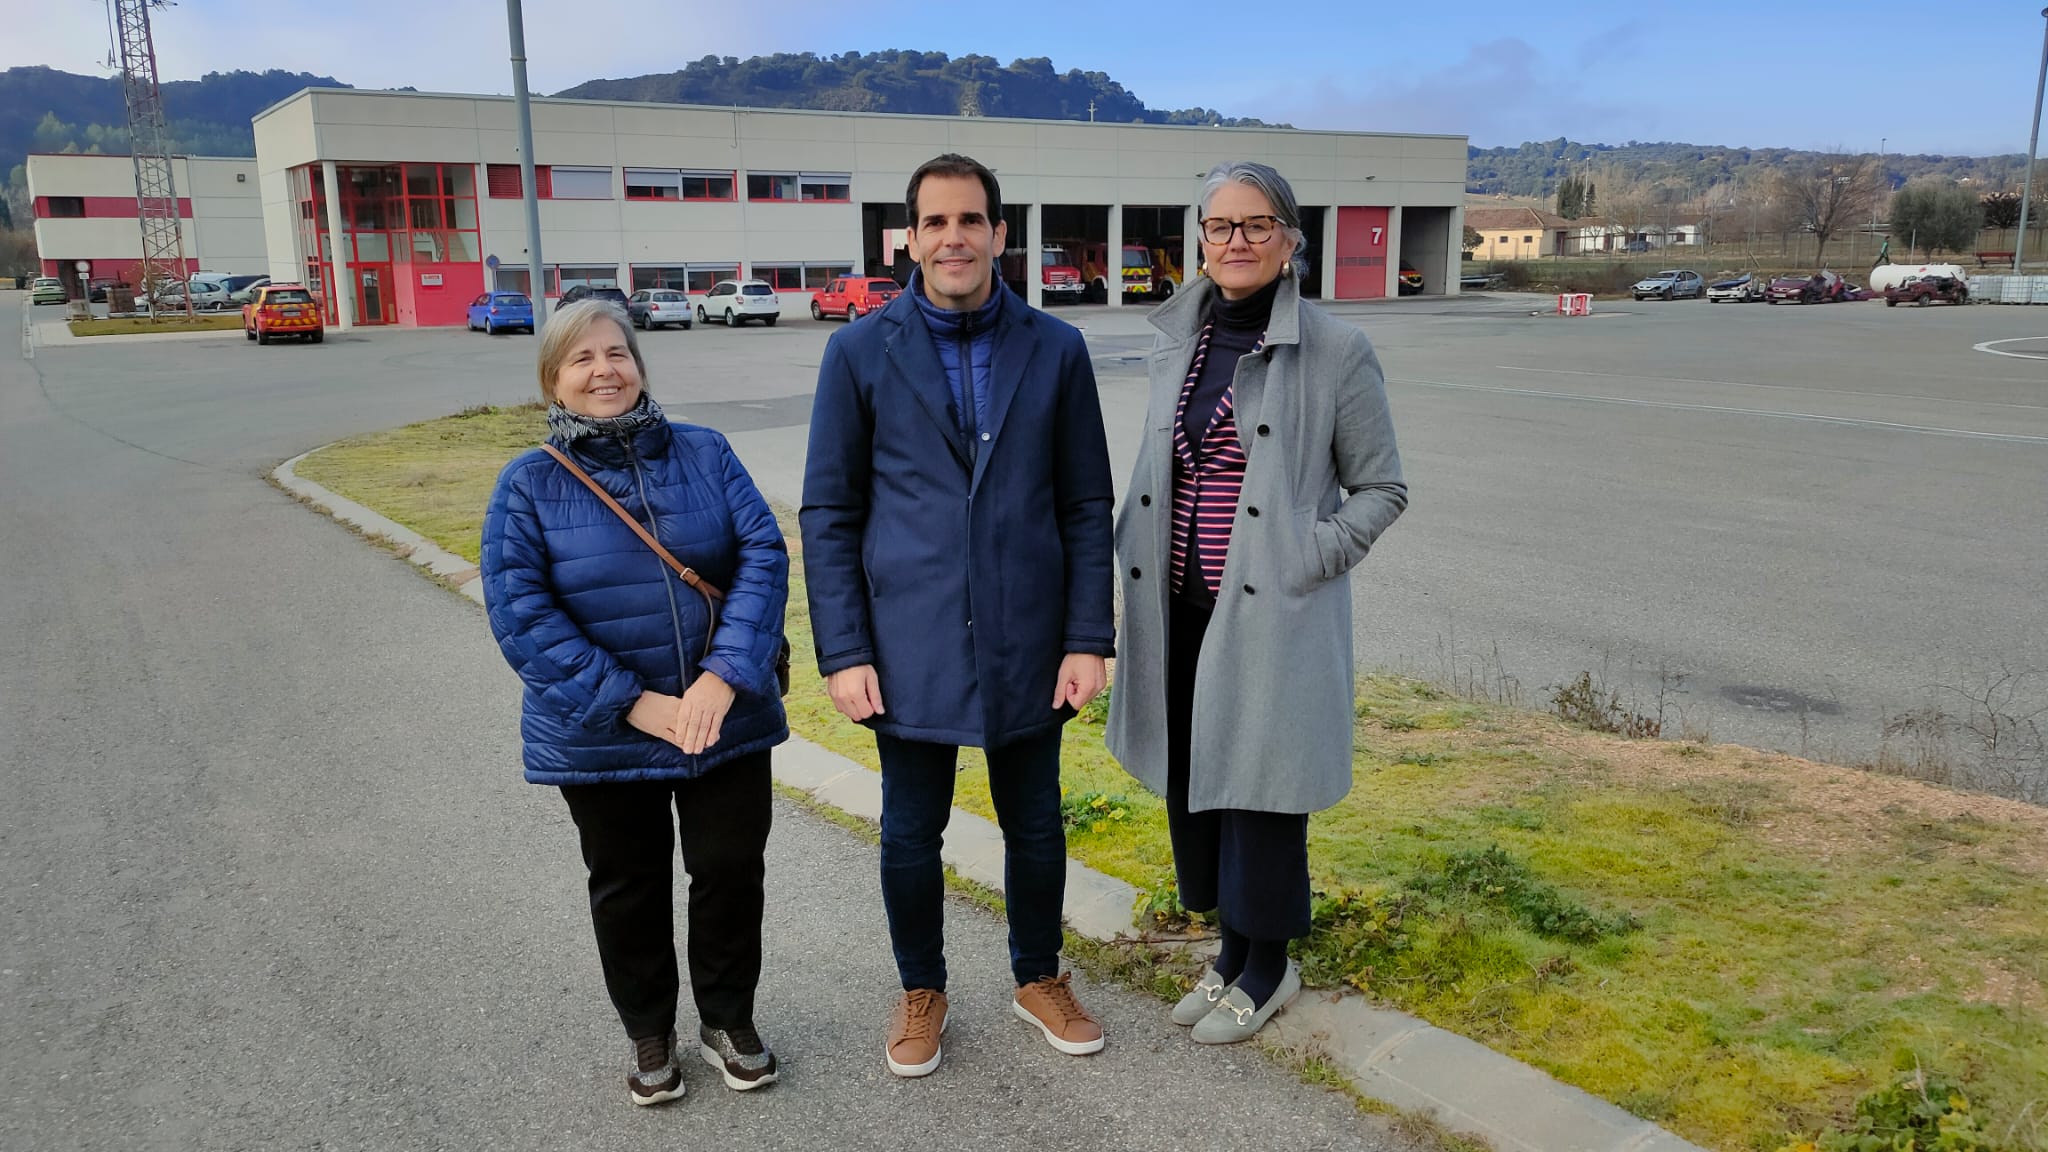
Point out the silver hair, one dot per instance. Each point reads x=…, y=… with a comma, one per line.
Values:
x=568, y=325
x=1277, y=191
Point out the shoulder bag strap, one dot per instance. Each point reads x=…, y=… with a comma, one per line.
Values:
x=683, y=570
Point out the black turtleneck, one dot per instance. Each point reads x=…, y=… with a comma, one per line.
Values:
x=1235, y=328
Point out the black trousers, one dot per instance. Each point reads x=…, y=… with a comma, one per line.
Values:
x=629, y=846
x=1251, y=868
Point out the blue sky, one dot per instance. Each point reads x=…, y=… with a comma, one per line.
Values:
x=1501, y=73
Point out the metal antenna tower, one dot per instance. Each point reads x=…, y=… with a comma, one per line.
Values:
x=156, y=192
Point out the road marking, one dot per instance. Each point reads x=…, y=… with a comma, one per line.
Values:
x=1810, y=417
x=1989, y=346
x=1797, y=387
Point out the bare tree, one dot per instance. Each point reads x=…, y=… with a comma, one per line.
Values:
x=1828, y=193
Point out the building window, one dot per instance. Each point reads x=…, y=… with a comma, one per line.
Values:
x=660, y=276
x=816, y=276
x=582, y=183
x=1528, y=239
x=702, y=277
x=812, y=187
x=674, y=184
x=504, y=181
x=510, y=279
x=781, y=277
x=594, y=275
x=63, y=207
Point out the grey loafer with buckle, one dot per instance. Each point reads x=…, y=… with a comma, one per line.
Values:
x=1208, y=993
x=1235, y=1018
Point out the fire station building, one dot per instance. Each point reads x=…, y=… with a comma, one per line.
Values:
x=401, y=207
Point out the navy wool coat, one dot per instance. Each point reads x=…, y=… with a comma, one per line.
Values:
x=963, y=574
x=582, y=609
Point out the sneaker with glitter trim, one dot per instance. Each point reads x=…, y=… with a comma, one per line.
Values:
x=914, y=1032
x=1050, y=1005
x=739, y=1056
x=655, y=1078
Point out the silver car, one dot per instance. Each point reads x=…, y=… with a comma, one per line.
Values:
x=738, y=301
x=1670, y=285
x=209, y=294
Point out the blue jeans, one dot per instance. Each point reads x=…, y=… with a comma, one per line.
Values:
x=917, y=800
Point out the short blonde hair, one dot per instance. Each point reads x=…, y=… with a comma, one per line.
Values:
x=568, y=325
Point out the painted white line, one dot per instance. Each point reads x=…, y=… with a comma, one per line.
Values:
x=1990, y=346
x=1810, y=417
x=1789, y=387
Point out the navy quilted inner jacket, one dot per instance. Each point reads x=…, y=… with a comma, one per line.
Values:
x=582, y=610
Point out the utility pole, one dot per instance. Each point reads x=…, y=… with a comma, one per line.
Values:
x=2019, y=252
x=536, y=279
x=1091, y=111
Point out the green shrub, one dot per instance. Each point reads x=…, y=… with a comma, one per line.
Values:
x=1500, y=880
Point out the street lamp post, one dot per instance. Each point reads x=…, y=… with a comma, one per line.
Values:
x=2019, y=252
x=536, y=283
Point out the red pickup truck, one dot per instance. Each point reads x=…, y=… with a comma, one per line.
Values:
x=854, y=297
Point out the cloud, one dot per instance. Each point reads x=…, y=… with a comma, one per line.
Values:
x=1499, y=92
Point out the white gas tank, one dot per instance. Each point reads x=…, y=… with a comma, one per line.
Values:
x=1892, y=275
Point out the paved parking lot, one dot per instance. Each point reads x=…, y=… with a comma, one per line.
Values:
x=1798, y=520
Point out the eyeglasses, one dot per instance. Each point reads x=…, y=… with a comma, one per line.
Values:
x=1257, y=229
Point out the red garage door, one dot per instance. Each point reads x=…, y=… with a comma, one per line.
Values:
x=1361, y=253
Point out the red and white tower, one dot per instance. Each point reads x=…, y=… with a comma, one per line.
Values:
x=156, y=192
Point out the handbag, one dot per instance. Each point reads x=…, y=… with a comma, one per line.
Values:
x=711, y=593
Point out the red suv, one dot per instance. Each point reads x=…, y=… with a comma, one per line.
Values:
x=854, y=297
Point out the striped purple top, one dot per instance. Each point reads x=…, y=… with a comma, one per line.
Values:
x=1208, y=477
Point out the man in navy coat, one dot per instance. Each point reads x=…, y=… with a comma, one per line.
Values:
x=956, y=540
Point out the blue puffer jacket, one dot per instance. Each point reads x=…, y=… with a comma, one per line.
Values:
x=583, y=612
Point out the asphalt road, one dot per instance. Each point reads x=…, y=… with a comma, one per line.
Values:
x=271, y=878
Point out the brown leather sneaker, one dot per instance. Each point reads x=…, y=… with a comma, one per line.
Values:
x=1050, y=1004
x=914, y=1031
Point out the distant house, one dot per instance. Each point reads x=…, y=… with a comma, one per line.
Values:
x=1591, y=234
x=1516, y=233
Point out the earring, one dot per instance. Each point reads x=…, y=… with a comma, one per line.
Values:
x=1287, y=270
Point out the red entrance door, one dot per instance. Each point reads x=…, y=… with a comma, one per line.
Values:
x=374, y=296
x=1361, y=253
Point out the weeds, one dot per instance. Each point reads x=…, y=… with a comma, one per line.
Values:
x=1589, y=704
x=1916, y=1112
x=1092, y=811
x=1995, y=744
x=1499, y=879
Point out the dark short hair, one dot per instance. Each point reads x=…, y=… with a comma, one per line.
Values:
x=954, y=164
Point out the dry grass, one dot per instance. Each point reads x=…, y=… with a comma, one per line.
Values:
x=127, y=326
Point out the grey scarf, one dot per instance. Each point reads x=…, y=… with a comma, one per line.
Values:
x=569, y=427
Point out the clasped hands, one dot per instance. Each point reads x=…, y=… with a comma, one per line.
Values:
x=690, y=721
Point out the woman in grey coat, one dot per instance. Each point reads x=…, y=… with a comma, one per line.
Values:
x=1268, y=469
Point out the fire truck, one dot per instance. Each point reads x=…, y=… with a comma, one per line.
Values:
x=1060, y=279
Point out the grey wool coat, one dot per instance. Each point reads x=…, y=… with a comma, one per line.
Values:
x=1273, y=688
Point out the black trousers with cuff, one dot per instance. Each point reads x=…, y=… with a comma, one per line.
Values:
x=1251, y=868
x=629, y=845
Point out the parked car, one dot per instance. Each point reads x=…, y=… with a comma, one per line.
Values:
x=1636, y=246
x=247, y=292
x=738, y=301
x=1819, y=288
x=495, y=312
x=1924, y=290
x=282, y=310
x=208, y=294
x=241, y=283
x=652, y=308
x=1670, y=285
x=854, y=297
x=1741, y=290
x=96, y=289
x=48, y=290
x=586, y=292
x=1411, y=279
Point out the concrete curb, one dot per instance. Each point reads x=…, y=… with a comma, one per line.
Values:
x=1390, y=1056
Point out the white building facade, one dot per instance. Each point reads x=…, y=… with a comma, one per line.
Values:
x=400, y=208
x=85, y=211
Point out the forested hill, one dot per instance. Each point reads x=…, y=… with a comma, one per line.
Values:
x=44, y=110
x=1533, y=169
x=928, y=83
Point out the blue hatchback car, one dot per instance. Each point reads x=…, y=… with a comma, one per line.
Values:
x=496, y=312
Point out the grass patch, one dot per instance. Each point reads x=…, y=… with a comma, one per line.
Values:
x=1746, y=948
x=130, y=326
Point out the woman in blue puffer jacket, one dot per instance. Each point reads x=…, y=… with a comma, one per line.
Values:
x=639, y=697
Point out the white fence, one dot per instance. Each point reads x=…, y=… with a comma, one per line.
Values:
x=2009, y=289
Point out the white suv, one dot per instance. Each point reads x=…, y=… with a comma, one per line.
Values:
x=738, y=301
